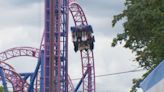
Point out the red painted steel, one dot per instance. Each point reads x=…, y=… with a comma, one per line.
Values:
x=12, y=76
x=52, y=43
x=70, y=85
x=19, y=51
x=17, y=83
x=87, y=57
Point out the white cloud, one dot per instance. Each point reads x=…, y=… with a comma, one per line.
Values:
x=31, y=15
x=20, y=36
x=102, y=8
x=23, y=26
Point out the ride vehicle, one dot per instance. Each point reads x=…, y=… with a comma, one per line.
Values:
x=82, y=37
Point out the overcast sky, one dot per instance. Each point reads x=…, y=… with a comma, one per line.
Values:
x=21, y=24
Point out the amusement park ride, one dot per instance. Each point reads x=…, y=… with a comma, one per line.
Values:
x=51, y=72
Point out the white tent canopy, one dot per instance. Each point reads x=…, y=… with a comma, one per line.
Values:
x=154, y=82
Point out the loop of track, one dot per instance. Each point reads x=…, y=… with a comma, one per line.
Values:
x=14, y=78
x=18, y=84
x=19, y=51
x=87, y=57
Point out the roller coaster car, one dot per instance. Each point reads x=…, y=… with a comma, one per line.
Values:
x=82, y=37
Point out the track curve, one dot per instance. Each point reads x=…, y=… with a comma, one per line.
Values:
x=17, y=83
x=87, y=57
x=19, y=51
x=77, y=14
x=10, y=73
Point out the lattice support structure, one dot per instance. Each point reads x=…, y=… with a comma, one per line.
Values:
x=56, y=46
x=2, y=75
x=87, y=57
x=19, y=51
x=10, y=75
x=64, y=45
x=54, y=72
x=88, y=63
x=15, y=78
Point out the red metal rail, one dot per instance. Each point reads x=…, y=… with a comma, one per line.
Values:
x=17, y=83
x=10, y=73
x=19, y=51
x=87, y=57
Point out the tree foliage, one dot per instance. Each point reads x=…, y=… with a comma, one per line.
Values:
x=143, y=32
x=1, y=89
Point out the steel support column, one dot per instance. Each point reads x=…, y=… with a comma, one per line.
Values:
x=2, y=74
x=56, y=46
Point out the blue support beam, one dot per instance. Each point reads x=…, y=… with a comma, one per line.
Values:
x=31, y=86
x=3, y=79
x=25, y=76
x=81, y=80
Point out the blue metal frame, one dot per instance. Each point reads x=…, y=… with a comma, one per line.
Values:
x=31, y=86
x=64, y=46
x=33, y=76
x=81, y=80
x=54, y=58
x=60, y=38
x=3, y=79
x=45, y=71
x=25, y=76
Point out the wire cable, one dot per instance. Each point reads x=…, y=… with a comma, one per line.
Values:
x=117, y=73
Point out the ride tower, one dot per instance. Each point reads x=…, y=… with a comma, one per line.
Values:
x=56, y=47
x=51, y=72
x=55, y=69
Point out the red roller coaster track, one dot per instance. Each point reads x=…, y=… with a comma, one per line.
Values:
x=87, y=58
x=18, y=84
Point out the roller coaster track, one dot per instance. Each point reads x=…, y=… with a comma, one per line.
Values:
x=87, y=58
x=19, y=51
x=18, y=84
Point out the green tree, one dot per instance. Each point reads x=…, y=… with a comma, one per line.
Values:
x=1, y=89
x=143, y=33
